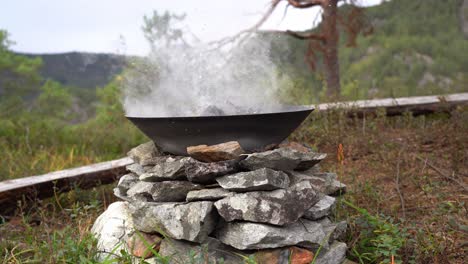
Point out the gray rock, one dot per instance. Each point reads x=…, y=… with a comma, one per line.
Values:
x=340, y=231
x=208, y=194
x=315, y=169
x=334, y=255
x=336, y=188
x=201, y=172
x=168, y=191
x=247, y=235
x=188, y=221
x=141, y=191
x=282, y=159
x=171, y=169
x=279, y=207
x=327, y=176
x=322, y=208
x=211, y=251
x=333, y=186
x=126, y=182
x=298, y=176
x=112, y=228
x=333, y=230
x=324, y=182
x=136, y=168
x=258, y=180
x=145, y=154
x=121, y=196
x=173, y=191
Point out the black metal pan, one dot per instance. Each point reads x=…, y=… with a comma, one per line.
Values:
x=252, y=131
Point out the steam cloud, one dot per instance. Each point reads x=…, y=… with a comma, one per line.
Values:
x=179, y=80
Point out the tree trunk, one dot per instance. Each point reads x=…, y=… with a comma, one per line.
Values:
x=330, y=56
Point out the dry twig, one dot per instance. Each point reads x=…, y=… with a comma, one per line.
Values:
x=441, y=173
x=397, y=183
x=244, y=34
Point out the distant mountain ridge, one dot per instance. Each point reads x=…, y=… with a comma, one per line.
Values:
x=80, y=69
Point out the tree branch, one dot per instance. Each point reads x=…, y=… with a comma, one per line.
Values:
x=306, y=3
x=306, y=36
x=295, y=34
x=246, y=32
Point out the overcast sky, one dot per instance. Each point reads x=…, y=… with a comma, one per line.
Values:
x=50, y=26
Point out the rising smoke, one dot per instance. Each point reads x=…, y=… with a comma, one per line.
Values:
x=181, y=80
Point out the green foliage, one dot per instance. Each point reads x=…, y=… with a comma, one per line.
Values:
x=54, y=101
x=162, y=30
x=413, y=51
x=43, y=139
x=380, y=237
x=18, y=74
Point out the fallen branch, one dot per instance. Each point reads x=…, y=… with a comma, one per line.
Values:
x=441, y=173
x=397, y=183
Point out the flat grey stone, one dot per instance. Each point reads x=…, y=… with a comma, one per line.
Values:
x=145, y=154
x=201, y=172
x=112, y=228
x=328, y=176
x=173, y=191
x=258, y=180
x=171, y=169
x=188, y=221
x=208, y=194
x=334, y=255
x=141, y=191
x=168, y=191
x=333, y=230
x=323, y=182
x=278, y=207
x=211, y=251
x=282, y=159
x=322, y=208
x=121, y=196
x=333, y=185
x=336, y=188
x=126, y=182
x=247, y=235
x=135, y=168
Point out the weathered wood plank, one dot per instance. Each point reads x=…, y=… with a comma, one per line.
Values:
x=395, y=106
x=42, y=186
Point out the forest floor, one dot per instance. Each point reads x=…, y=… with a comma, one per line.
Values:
x=406, y=179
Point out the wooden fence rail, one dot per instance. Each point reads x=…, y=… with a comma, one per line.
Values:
x=43, y=186
x=395, y=106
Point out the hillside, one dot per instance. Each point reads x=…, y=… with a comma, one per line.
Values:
x=80, y=69
x=417, y=48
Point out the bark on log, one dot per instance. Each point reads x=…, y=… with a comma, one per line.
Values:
x=43, y=186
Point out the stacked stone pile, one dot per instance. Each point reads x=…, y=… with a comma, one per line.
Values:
x=223, y=206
